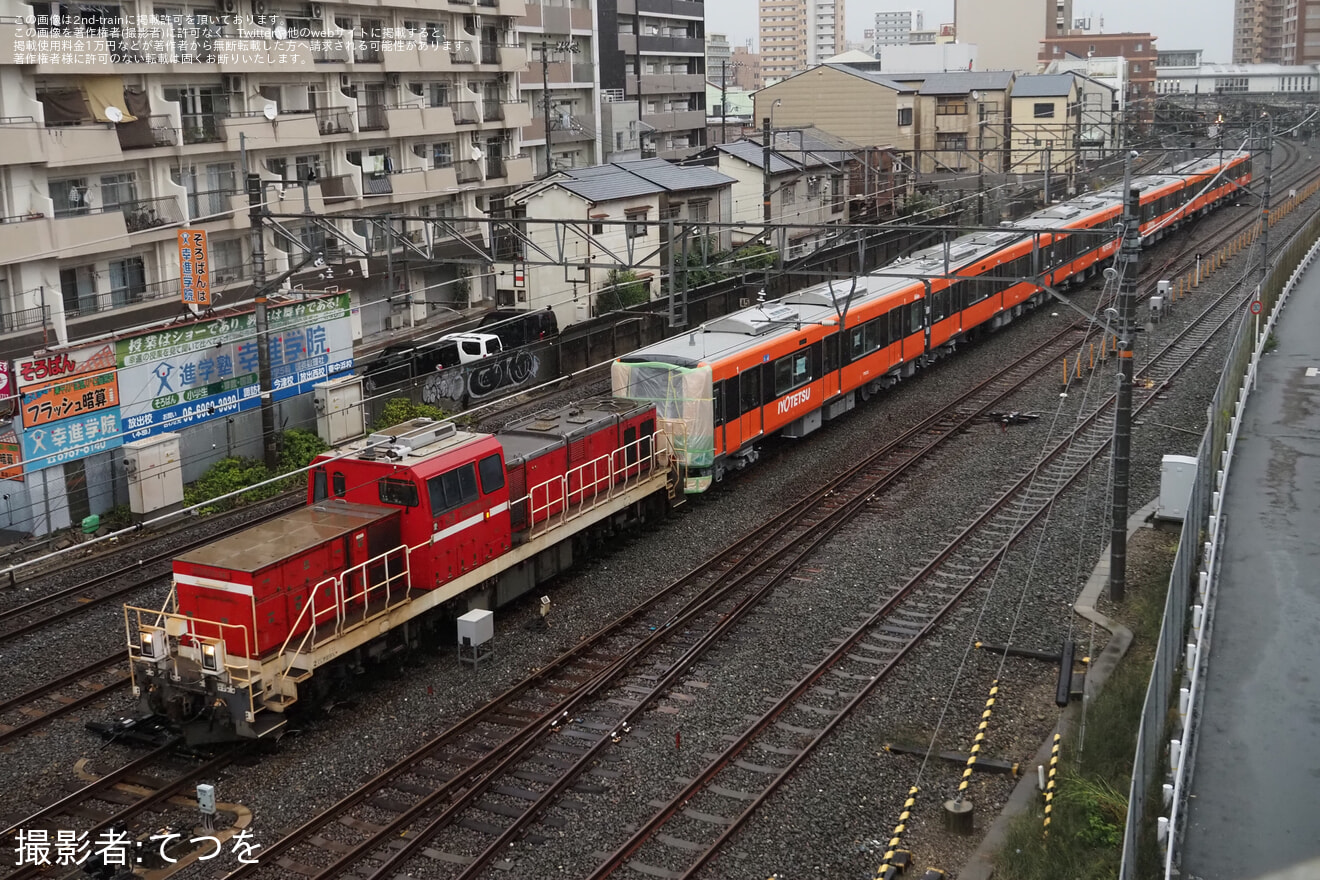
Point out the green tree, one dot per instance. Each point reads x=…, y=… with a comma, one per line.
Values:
x=622, y=289
x=400, y=409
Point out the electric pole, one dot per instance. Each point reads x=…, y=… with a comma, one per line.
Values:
x=545, y=99
x=765, y=169
x=724, y=101
x=1127, y=297
x=255, y=211
x=1265, y=208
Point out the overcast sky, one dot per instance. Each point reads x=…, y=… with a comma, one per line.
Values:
x=1179, y=24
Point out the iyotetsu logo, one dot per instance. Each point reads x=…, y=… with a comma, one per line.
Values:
x=794, y=399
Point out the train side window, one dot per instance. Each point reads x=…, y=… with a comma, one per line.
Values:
x=857, y=342
x=718, y=403
x=340, y=484
x=452, y=489
x=648, y=431
x=790, y=372
x=917, y=316
x=318, y=485
x=728, y=410
x=873, y=339
x=630, y=445
x=492, y=473
x=750, y=389
x=400, y=492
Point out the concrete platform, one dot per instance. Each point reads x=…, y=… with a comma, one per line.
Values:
x=1254, y=802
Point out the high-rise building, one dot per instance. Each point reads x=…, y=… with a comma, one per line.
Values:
x=894, y=28
x=1276, y=32
x=652, y=77
x=1008, y=33
x=561, y=64
x=746, y=69
x=718, y=51
x=796, y=34
x=364, y=107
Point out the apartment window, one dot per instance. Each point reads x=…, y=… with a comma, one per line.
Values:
x=69, y=196
x=636, y=227
x=788, y=195
x=307, y=165
x=442, y=155
x=699, y=211
x=1043, y=110
x=951, y=107
x=278, y=167
x=78, y=288
x=439, y=93
x=432, y=33
x=951, y=142
x=1136, y=68
x=226, y=259
x=904, y=115
x=128, y=281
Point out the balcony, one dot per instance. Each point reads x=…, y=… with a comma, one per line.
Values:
x=512, y=58
x=293, y=129
x=202, y=129
x=672, y=7
x=677, y=120
x=337, y=189
x=667, y=84
x=492, y=111
x=511, y=8
x=465, y=112
x=423, y=182
x=517, y=115
x=461, y=52
x=60, y=237
x=576, y=128
x=490, y=53
x=22, y=139
x=333, y=120
x=414, y=120
x=82, y=145
x=331, y=50
x=518, y=169
x=372, y=117
x=148, y=132
x=467, y=171
x=215, y=203
x=670, y=45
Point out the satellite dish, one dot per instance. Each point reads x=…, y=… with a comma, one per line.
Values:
x=477, y=155
x=114, y=114
x=281, y=32
x=270, y=111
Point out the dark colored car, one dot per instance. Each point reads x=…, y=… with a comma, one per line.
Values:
x=520, y=328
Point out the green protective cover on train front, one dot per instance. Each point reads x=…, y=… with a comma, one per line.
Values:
x=684, y=400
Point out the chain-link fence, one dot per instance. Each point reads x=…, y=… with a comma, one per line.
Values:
x=1161, y=740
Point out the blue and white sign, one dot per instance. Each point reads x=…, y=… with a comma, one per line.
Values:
x=71, y=439
x=180, y=376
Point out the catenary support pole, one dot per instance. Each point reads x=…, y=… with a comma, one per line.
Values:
x=269, y=442
x=1127, y=297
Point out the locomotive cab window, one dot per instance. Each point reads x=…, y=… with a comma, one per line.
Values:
x=630, y=445
x=400, y=492
x=339, y=483
x=790, y=372
x=319, y=492
x=492, y=474
x=453, y=489
x=648, y=431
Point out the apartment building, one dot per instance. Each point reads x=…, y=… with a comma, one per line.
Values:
x=115, y=137
x=562, y=57
x=797, y=34
x=1276, y=32
x=1008, y=33
x=719, y=51
x=652, y=77
x=1134, y=52
x=746, y=73
x=895, y=27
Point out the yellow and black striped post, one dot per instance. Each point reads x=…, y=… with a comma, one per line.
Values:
x=980, y=738
x=1049, y=786
x=891, y=851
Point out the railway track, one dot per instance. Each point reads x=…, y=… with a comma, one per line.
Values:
x=63, y=604
x=39, y=706
x=140, y=788
x=522, y=772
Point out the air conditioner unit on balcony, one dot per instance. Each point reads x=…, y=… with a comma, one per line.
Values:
x=343, y=81
x=394, y=80
x=259, y=7
x=234, y=84
x=231, y=6
x=399, y=321
x=315, y=10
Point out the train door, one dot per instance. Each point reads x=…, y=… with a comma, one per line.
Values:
x=749, y=397
x=727, y=413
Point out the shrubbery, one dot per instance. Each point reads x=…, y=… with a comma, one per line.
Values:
x=400, y=409
x=298, y=448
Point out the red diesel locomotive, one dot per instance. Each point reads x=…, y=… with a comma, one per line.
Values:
x=403, y=531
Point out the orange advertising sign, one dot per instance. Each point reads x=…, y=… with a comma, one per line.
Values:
x=194, y=268
x=11, y=457
x=63, y=400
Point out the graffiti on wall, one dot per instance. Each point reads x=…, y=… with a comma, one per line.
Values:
x=461, y=386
